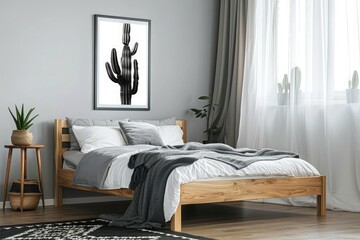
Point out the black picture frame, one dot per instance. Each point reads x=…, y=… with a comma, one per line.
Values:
x=121, y=76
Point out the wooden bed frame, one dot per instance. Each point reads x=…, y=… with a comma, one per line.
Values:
x=198, y=192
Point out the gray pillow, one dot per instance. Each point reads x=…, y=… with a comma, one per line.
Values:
x=162, y=122
x=140, y=133
x=74, y=144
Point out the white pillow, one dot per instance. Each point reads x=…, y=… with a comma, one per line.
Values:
x=94, y=137
x=171, y=134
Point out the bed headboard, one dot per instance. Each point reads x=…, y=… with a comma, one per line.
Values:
x=62, y=138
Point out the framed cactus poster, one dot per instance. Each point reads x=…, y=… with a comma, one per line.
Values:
x=122, y=63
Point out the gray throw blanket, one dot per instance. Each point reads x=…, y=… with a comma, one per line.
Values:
x=152, y=168
x=94, y=166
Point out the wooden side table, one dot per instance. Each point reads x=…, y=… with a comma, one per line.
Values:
x=23, y=158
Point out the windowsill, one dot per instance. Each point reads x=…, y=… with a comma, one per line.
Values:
x=317, y=104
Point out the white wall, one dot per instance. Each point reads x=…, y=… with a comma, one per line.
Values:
x=46, y=61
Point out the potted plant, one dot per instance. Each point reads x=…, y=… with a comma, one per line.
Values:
x=289, y=92
x=203, y=112
x=22, y=136
x=296, y=95
x=352, y=94
x=283, y=91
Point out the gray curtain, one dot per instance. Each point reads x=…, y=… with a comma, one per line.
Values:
x=228, y=82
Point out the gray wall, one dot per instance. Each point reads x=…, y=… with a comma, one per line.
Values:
x=46, y=61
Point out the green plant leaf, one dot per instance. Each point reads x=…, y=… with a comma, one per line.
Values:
x=12, y=115
x=21, y=120
x=204, y=112
x=28, y=115
x=18, y=118
x=198, y=115
x=32, y=119
x=204, y=98
x=26, y=127
x=195, y=110
x=22, y=115
x=206, y=105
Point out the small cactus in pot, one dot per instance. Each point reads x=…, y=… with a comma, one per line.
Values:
x=283, y=91
x=352, y=94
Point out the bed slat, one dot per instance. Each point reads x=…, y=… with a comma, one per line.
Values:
x=249, y=189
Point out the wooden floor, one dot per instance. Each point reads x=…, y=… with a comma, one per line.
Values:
x=241, y=220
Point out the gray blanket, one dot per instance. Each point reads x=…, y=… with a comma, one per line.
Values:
x=94, y=166
x=152, y=168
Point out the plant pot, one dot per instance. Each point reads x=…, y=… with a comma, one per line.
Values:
x=283, y=98
x=297, y=97
x=21, y=137
x=31, y=198
x=352, y=95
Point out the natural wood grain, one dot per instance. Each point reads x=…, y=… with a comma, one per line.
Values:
x=182, y=123
x=58, y=153
x=8, y=165
x=249, y=189
x=200, y=192
x=24, y=147
x=321, y=198
x=38, y=159
x=226, y=221
x=22, y=178
x=65, y=180
x=25, y=162
x=65, y=138
x=176, y=219
x=23, y=170
x=63, y=177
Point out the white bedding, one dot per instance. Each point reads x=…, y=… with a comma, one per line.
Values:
x=119, y=174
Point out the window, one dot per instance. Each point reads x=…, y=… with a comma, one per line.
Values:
x=322, y=38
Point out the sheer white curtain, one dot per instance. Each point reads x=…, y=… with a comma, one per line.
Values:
x=316, y=44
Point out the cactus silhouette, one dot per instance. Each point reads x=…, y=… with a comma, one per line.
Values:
x=285, y=86
x=296, y=78
x=354, y=82
x=122, y=76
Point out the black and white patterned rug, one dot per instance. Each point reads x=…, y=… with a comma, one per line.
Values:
x=87, y=229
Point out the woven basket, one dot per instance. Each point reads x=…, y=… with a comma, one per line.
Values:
x=21, y=137
x=31, y=195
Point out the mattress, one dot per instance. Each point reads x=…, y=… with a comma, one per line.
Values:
x=119, y=175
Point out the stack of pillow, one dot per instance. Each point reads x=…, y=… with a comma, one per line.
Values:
x=87, y=134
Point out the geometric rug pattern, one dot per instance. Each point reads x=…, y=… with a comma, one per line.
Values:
x=89, y=229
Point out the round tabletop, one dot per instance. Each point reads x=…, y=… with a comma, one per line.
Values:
x=27, y=146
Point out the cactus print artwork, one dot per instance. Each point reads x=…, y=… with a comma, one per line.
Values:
x=122, y=75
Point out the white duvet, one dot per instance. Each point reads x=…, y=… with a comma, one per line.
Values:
x=119, y=174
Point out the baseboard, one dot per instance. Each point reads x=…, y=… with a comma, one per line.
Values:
x=68, y=201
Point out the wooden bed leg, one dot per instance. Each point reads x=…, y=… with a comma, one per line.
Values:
x=176, y=220
x=321, y=199
x=58, y=196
